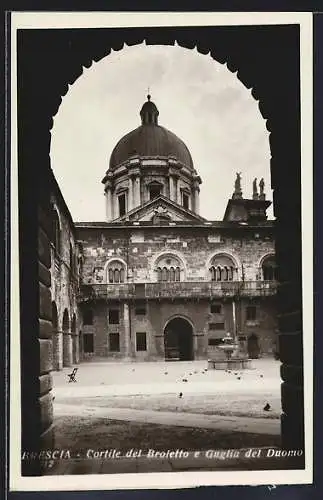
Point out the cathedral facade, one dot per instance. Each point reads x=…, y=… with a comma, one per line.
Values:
x=156, y=280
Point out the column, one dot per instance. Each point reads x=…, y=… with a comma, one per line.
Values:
x=172, y=188
x=57, y=350
x=178, y=192
x=196, y=199
x=131, y=204
x=126, y=326
x=67, y=349
x=136, y=191
x=75, y=348
x=234, y=320
x=108, y=203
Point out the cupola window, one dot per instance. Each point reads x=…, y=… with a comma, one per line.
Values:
x=122, y=204
x=154, y=190
x=186, y=201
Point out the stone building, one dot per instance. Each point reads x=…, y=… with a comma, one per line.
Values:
x=159, y=281
x=65, y=259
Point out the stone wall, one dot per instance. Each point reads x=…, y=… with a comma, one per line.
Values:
x=140, y=248
x=197, y=313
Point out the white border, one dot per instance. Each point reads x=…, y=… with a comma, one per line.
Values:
x=40, y=20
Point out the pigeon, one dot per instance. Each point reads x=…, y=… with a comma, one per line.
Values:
x=180, y=395
x=261, y=376
x=166, y=373
x=185, y=380
x=267, y=407
x=238, y=378
x=236, y=373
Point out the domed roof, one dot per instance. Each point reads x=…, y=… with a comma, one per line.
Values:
x=150, y=139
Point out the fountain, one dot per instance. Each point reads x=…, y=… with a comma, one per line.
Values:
x=232, y=359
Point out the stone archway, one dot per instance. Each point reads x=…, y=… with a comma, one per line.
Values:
x=273, y=77
x=178, y=340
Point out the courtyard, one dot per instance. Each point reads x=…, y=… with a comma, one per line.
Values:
x=160, y=406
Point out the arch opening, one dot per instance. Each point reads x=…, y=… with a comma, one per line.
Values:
x=178, y=340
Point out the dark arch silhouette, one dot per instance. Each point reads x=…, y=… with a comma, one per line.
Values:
x=66, y=321
x=273, y=77
x=178, y=340
x=54, y=317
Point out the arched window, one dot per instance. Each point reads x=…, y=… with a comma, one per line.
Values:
x=116, y=272
x=222, y=268
x=164, y=274
x=269, y=269
x=169, y=268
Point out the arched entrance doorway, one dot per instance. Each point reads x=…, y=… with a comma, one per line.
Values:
x=253, y=346
x=178, y=340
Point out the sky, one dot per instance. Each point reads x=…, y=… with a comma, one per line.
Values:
x=198, y=99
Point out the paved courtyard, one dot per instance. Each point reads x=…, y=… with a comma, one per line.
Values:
x=97, y=378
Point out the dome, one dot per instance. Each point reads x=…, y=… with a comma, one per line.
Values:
x=150, y=139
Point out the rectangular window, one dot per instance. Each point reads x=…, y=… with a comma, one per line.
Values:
x=186, y=201
x=140, y=311
x=114, y=342
x=114, y=316
x=251, y=313
x=88, y=342
x=88, y=317
x=214, y=341
x=216, y=308
x=216, y=326
x=141, y=341
x=122, y=204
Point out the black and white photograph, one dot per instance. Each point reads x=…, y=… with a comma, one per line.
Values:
x=161, y=250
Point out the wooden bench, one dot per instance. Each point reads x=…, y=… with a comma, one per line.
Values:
x=72, y=375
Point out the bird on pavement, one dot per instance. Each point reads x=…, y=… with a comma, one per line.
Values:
x=180, y=395
x=261, y=376
x=185, y=380
x=267, y=407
